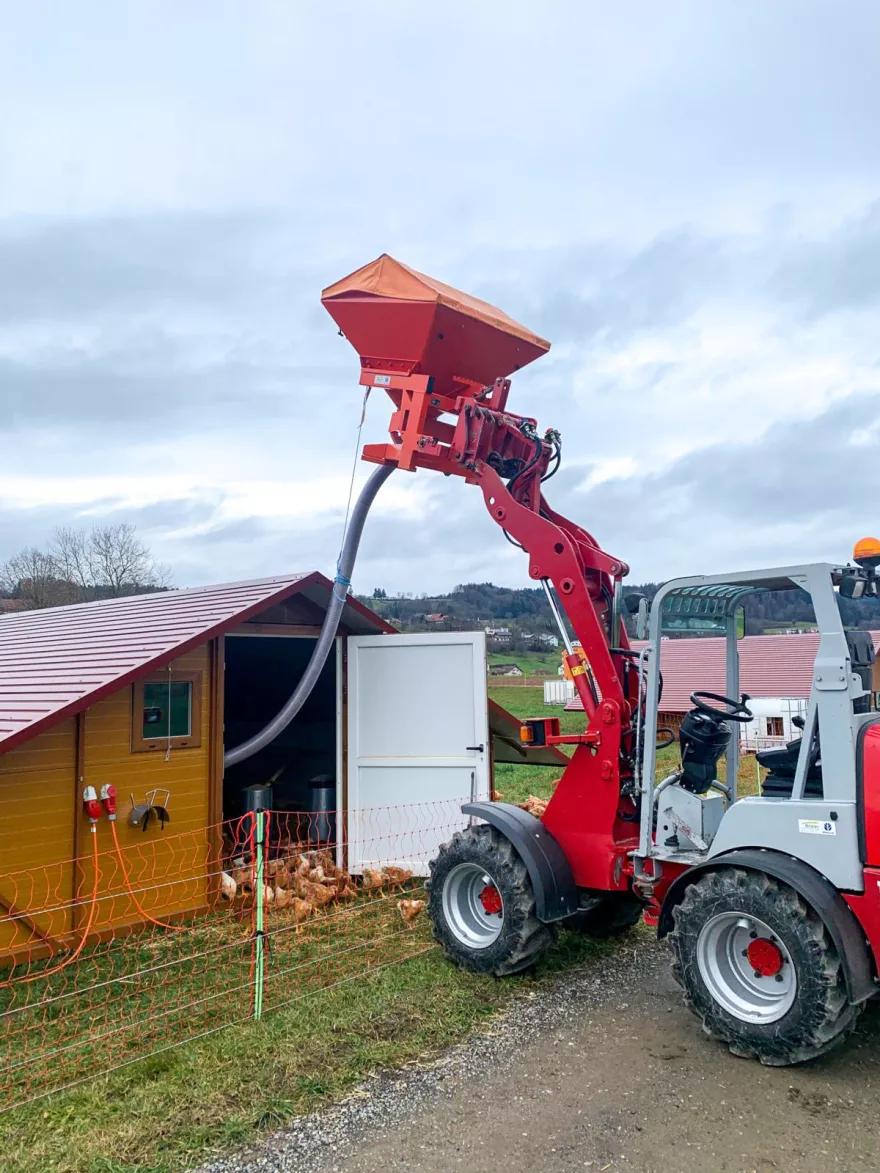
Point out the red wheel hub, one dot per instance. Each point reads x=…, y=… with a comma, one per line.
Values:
x=490, y=898
x=764, y=957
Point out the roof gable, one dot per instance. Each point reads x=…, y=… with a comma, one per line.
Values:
x=58, y=661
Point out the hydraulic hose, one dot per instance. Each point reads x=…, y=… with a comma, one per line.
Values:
x=328, y=629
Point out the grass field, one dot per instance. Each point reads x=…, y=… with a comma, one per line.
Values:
x=517, y=782
x=190, y=1104
x=531, y=663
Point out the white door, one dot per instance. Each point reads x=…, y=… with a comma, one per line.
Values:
x=418, y=743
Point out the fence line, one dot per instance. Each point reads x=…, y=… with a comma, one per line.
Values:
x=173, y=938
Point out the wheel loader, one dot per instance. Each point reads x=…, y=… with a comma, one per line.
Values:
x=770, y=903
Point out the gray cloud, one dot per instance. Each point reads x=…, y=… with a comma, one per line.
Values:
x=684, y=212
x=840, y=272
x=801, y=492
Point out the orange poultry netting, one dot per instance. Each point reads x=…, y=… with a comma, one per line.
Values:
x=110, y=958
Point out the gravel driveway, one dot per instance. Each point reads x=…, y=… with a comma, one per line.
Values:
x=603, y=1070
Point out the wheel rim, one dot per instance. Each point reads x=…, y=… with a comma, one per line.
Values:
x=473, y=906
x=746, y=967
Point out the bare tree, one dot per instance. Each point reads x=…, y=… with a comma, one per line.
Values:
x=108, y=561
x=32, y=575
x=70, y=551
x=120, y=562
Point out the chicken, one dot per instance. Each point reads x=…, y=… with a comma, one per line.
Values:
x=317, y=875
x=409, y=910
x=316, y=894
x=373, y=879
x=344, y=891
x=243, y=879
x=282, y=898
x=277, y=868
x=268, y=894
x=396, y=877
x=228, y=886
x=302, y=910
x=535, y=806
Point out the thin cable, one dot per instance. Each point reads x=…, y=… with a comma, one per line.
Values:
x=341, y=579
x=69, y=960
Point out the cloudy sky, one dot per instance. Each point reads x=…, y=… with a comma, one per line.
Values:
x=683, y=196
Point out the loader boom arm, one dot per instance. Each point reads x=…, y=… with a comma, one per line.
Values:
x=505, y=456
x=443, y=359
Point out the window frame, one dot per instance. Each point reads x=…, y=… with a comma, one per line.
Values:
x=141, y=744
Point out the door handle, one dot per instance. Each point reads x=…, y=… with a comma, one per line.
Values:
x=476, y=748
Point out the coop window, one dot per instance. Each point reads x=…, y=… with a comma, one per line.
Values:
x=775, y=727
x=167, y=709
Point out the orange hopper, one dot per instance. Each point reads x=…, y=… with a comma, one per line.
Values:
x=402, y=322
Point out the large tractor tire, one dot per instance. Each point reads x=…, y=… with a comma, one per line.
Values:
x=613, y=915
x=482, y=906
x=758, y=966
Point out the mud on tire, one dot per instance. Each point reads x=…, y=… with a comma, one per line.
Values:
x=522, y=938
x=820, y=1015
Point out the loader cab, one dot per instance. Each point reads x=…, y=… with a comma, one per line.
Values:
x=808, y=804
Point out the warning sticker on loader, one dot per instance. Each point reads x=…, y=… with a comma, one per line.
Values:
x=816, y=827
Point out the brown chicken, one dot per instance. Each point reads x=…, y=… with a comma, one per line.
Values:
x=373, y=879
x=535, y=806
x=396, y=877
x=302, y=910
x=318, y=894
x=344, y=891
x=282, y=898
x=277, y=868
x=409, y=910
x=244, y=879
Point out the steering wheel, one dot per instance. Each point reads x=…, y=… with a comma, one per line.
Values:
x=734, y=710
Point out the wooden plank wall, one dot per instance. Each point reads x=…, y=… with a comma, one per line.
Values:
x=154, y=857
x=37, y=785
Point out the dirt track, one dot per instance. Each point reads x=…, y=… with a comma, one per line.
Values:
x=623, y=1079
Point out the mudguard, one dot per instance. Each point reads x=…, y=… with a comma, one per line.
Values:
x=556, y=895
x=840, y=921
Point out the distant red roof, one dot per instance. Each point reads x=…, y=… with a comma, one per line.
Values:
x=769, y=665
x=56, y=662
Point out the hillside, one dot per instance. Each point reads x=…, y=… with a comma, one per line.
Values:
x=524, y=613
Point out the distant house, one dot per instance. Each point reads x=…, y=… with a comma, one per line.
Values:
x=495, y=632
x=505, y=670
x=550, y=640
x=436, y=618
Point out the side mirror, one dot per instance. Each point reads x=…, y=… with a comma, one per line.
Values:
x=853, y=584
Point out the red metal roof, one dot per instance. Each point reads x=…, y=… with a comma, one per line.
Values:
x=769, y=665
x=56, y=662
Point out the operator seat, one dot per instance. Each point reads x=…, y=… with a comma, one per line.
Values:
x=782, y=760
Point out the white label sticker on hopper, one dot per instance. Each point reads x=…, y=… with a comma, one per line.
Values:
x=816, y=827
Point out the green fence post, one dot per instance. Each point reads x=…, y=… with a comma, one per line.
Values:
x=260, y=897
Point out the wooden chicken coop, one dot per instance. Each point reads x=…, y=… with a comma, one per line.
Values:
x=147, y=694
